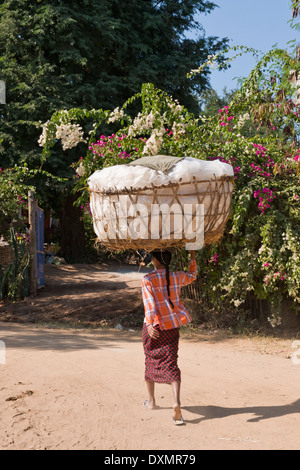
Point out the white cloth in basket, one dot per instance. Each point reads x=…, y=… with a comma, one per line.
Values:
x=126, y=176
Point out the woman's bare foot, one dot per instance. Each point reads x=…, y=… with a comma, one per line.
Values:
x=150, y=405
x=177, y=416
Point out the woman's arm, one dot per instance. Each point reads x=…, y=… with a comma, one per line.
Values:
x=149, y=307
x=191, y=275
x=148, y=300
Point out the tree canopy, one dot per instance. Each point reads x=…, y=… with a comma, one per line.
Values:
x=59, y=54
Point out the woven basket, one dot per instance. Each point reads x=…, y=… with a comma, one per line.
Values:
x=112, y=230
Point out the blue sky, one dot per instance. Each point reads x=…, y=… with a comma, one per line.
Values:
x=257, y=23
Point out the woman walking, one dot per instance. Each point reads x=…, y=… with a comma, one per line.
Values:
x=164, y=315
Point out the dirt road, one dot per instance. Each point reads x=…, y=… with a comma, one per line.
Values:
x=83, y=388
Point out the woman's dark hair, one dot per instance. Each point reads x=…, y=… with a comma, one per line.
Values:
x=164, y=258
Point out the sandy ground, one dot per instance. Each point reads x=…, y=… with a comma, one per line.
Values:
x=82, y=388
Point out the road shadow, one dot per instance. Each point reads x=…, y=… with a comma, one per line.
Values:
x=86, y=301
x=40, y=338
x=260, y=412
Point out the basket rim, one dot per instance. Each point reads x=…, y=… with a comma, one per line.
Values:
x=115, y=191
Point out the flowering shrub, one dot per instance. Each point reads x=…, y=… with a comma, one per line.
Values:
x=70, y=134
x=257, y=134
x=13, y=208
x=162, y=126
x=13, y=194
x=259, y=254
x=14, y=186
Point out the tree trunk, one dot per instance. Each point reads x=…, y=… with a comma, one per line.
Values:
x=72, y=231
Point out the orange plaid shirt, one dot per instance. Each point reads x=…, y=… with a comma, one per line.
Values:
x=158, y=310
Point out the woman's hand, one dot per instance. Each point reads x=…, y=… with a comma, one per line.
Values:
x=152, y=332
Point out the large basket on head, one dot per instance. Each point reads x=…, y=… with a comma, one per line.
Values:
x=171, y=214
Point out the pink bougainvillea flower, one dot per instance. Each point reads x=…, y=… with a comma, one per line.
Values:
x=264, y=200
x=214, y=258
